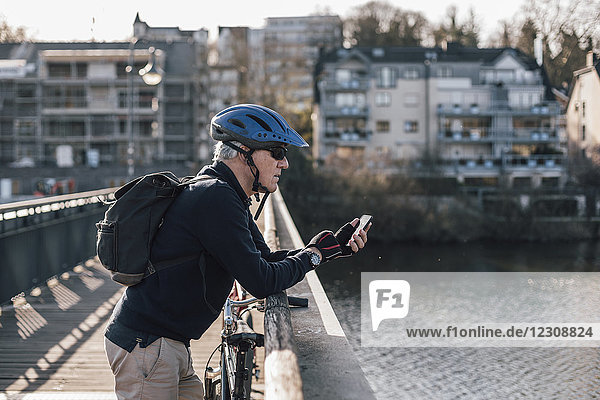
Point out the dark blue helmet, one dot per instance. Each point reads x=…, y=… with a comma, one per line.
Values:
x=255, y=126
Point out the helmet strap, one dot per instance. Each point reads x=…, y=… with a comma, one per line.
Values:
x=256, y=185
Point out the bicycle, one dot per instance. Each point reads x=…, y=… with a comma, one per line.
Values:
x=232, y=379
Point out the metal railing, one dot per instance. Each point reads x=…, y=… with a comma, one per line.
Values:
x=41, y=238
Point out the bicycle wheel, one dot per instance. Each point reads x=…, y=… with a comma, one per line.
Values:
x=225, y=371
x=250, y=361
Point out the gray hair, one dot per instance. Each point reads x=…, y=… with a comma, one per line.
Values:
x=223, y=152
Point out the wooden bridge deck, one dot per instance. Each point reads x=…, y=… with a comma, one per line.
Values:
x=51, y=339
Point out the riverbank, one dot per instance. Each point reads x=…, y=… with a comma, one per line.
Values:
x=434, y=210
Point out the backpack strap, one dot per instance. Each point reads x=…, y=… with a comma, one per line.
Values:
x=153, y=267
x=188, y=180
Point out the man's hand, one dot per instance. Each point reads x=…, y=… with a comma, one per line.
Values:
x=327, y=245
x=349, y=241
x=343, y=243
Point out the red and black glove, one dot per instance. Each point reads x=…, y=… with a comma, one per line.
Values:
x=343, y=236
x=327, y=244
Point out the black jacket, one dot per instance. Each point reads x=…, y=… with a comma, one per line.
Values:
x=210, y=218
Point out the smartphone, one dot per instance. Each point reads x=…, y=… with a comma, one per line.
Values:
x=365, y=220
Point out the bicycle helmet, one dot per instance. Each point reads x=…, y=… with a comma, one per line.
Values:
x=255, y=126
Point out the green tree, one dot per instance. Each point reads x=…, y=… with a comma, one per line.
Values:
x=9, y=34
x=378, y=23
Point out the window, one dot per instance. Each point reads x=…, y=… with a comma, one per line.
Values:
x=145, y=98
x=81, y=70
x=123, y=100
x=26, y=91
x=65, y=97
x=444, y=72
x=177, y=91
x=386, y=77
x=342, y=75
x=382, y=126
x=383, y=99
x=64, y=128
x=522, y=182
x=59, y=70
x=330, y=125
x=144, y=127
x=411, y=73
x=411, y=99
x=411, y=126
x=583, y=109
x=378, y=52
x=350, y=99
x=102, y=125
x=25, y=127
x=583, y=133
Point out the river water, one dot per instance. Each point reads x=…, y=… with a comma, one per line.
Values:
x=466, y=373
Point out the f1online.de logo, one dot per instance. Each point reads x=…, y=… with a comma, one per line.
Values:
x=389, y=299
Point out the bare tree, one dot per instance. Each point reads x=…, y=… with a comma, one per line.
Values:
x=452, y=30
x=378, y=23
x=568, y=28
x=553, y=18
x=504, y=36
x=526, y=37
x=9, y=34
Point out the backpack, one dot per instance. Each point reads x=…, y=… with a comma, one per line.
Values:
x=125, y=235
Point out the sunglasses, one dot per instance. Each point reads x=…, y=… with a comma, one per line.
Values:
x=278, y=153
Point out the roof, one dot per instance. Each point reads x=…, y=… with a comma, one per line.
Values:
x=454, y=53
x=179, y=54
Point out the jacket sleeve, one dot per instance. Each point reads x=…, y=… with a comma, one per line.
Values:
x=223, y=230
x=264, y=249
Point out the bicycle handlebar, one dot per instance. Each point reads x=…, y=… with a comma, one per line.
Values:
x=292, y=301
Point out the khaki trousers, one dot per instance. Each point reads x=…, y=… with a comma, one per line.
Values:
x=161, y=371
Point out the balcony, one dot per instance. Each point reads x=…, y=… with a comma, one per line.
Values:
x=355, y=84
x=487, y=135
x=466, y=135
x=345, y=111
x=463, y=110
x=537, y=161
x=509, y=162
x=347, y=138
x=64, y=103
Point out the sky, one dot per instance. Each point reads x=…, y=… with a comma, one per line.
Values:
x=112, y=20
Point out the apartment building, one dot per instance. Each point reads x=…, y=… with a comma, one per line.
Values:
x=292, y=46
x=272, y=65
x=583, y=118
x=237, y=74
x=70, y=103
x=484, y=116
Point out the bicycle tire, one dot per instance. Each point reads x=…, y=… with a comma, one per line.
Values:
x=249, y=364
x=224, y=387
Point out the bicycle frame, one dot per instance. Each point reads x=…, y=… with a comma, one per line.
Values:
x=237, y=339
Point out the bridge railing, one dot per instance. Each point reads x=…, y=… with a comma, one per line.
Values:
x=282, y=372
x=41, y=238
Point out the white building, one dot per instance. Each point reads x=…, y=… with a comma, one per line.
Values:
x=583, y=116
x=482, y=115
